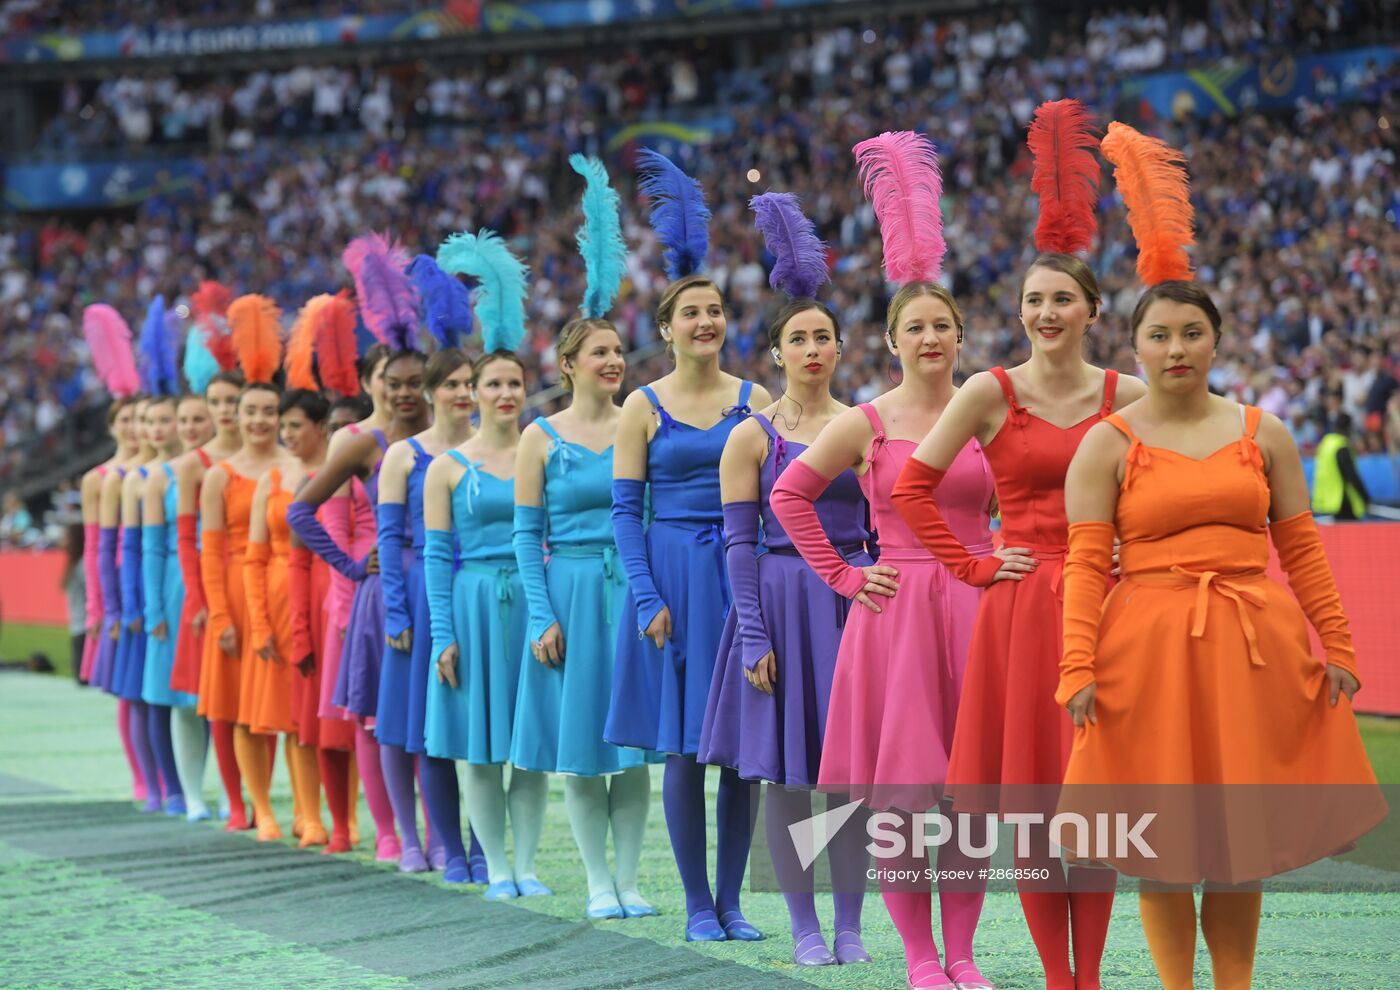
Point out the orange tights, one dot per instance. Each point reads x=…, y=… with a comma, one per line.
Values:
x=1229, y=921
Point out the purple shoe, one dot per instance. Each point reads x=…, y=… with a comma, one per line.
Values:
x=850, y=949
x=811, y=950
x=412, y=860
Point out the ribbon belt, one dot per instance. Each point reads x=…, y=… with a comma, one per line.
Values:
x=503, y=571
x=1238, y=588
x=608, y=554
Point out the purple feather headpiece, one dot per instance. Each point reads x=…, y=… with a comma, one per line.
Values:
x=388, y=301
x=799, y=265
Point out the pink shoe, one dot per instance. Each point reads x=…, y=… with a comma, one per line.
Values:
x=930, y=976
x=966, y=976
x=387, y=848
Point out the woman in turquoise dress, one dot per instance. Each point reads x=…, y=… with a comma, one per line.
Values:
x=669, y=439
x=478, y=619
x=563, y=498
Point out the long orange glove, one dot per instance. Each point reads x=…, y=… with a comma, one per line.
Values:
x=299, y=600
x=1304, y=560
x=1085, y=581
x=913, y=498
x=213, y=568
x=187, y=545
x=255, y=588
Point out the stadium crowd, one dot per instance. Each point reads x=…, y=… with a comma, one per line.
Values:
x=1297, y=213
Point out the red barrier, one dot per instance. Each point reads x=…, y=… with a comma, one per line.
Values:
x=29, y=587
x=1365, y=557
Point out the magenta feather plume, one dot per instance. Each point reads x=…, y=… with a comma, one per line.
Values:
x=109, y=342
x=387, y=298
x=899, y=170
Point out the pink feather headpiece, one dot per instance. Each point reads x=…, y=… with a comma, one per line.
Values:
x=899, y=170
x=109, y=341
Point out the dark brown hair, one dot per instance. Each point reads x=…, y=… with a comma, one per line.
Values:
x=372, y=357
x=441, y=365
x=500, y=354
x=1075, y=268
x=795, y=308
x=1185, y=293
x=117, y=406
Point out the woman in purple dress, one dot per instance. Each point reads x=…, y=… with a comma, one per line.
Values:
x=766, y=713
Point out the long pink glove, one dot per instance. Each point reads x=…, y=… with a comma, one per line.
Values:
x=335, y=517
x=92, y=578
x=794, y=503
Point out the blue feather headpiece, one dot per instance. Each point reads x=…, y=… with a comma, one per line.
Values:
x=200, y=364
x=678, y=213
x=600, y=239
x=500, y=276
x=799, y=265
x=447, y=305
x=159, y=367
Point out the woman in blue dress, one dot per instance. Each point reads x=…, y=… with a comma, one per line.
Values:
x=669, y=438
x=563, y=497
x=406, y=669
x=164, y=597
x=478, y=619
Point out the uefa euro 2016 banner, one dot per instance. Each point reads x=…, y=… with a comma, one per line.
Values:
x=1268, y=82
x=452, y=17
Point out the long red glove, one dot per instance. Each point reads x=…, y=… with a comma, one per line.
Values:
x=299, y=601
x=213, y=567
x=187, y=546
x=913, y=499
x=255, y=590
x=1085, y=580
x=1304, y=560
x=794, y=503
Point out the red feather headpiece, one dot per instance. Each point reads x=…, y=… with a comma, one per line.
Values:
x=1062, y=139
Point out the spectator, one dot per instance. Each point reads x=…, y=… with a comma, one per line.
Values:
x=1338, y=490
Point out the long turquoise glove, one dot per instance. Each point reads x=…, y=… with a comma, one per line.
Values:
x=390, y=534
x=528, y=541
x=438, y=557
x=153, y=554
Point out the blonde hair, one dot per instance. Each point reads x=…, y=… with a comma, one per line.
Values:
x=571, y=340
x=917, y=290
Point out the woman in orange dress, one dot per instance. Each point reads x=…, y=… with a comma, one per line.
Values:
x=1192, y=689
x=226, y=505
x=270, y=706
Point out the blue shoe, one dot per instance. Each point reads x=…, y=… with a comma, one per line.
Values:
x=703, y=926
x=603, y=906
x=175, y=807
x=477, y=866
x=634, y=905
x=502, y=890
x=739, y=930
x=531, y=887
x=456, y=871
x=201, y=815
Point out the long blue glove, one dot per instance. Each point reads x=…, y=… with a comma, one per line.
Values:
x=439, y=554
x=153, y=554
x=108, y=581
x=131, y=574
x=629, y=497
x=741, y=556
x=390, y=516
x=301, y=517
x=528, y=541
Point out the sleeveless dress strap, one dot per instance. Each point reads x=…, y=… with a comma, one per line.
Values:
x=878, y=442
x=558, y=447
x=1110, y=389
x=204, y=458
x=380, y=439
x=662, y=414
x=353, y=429
x=776, y=440
x=169, y=471
x=1251, y=415
x=548, y=427
x=742, y=406
x=1137, y=456
x=460, y=458
x=1015, y=411
x=1249, y=446
x=418, y=450
x=274, y=480
x=144, y=472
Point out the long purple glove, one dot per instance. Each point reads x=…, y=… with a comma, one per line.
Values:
x=301, y=517
x=153, y=556
x=108, y=581
x=391, y=578
x=528, y=540
x=131, y=574
x=741, y=556
x=628, y=500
